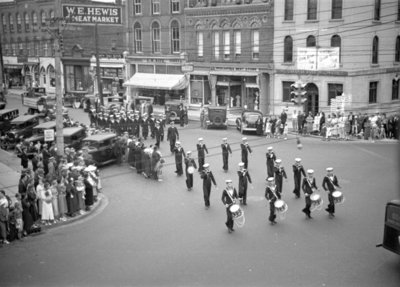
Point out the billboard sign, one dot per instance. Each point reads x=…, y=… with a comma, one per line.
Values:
x=312, y=58
x=81, y=14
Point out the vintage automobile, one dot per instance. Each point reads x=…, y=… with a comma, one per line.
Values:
x=247, y=121
x=21, y=127
x=38, y=131
x=73, y=137
x=391, y=232
x=3, y=101
x=216, y=118
x=37, y=100
x=6, y=116
x=100, y=147
x=172, y=110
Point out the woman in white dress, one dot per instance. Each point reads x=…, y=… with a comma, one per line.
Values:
x=316, y=123
x=47, y=205
x=334, y=126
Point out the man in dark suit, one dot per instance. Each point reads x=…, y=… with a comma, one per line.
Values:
x=190, y=167
x=179, y=156
x=330, y=183
x=201, y=150
x=172, y=135
x=208, y=178
x=308, y=187
x=226, y=150
x=229, y=196
x=300, y=122
x=271, y=157
x=244, y=177
x=245, y=152
x=298, y=170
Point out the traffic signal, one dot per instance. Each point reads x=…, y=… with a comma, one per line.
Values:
x=61, y=42
x=298, y=92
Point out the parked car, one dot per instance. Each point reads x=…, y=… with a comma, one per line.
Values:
x=216, y=118
x=247, y=121
x=172, y=110
x=38, y=131
x=3, y=101
x=21, y=127
x=73, y=137
x=100, y=147
x=6, y=116
x=36, y=99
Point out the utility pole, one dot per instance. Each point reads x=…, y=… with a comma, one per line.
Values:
x=99, y=84
x=2, y=74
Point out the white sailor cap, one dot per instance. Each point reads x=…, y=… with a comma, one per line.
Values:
x=278, y=160
x=228, y=181
x=310, y=171
x=225, y=139
x=269, y=148
x=329, y=169
x=270, y=179
x=200, y=139
x=241, y=164
x=297, y=159
x=178, y=143
x=244, y=139
x=189, y=152
x=206, y=165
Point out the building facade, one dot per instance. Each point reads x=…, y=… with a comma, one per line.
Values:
x=339, y=48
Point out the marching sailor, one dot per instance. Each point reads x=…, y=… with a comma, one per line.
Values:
x=229, y=197
x=245, y=151
x=308, y=187
x=208, y=178
x=179, y=155
x=330, y=183
x=298, y=170
x=280, y=173
x=271, y=157
x=271, y=195
x=244, y=177
x=226, y=150
x=190, y=166
x=201, y=149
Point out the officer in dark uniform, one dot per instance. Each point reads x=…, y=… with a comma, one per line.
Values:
x=172, y=135
x=179, y=156
x=226, y=150
x=271, y=195
x=201, y=149
x=136, y=125
x=208, y=178
x=298, y=170
x=162, y=127
x=271, y=157
x=145, y=126
x=244, y=177
x=280, y=173
x=245, y=152
x=308, y=187
x=157, y=133
x=229, y=197
x=190, y=166
x=330, y=183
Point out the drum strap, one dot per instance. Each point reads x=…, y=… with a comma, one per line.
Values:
x=273, y=191
x=229, y=194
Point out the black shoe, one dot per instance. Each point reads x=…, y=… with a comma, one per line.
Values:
x=232, y=230
x=327, y=210
x=229, y=230
x=309, y=216
x=244, y=203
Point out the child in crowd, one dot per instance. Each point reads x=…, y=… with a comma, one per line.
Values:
x=15, y=220
x=268, y=128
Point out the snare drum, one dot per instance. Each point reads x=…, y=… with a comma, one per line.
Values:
x=337, y=197
x=316, y=202
x=235, y=210
x=191, y=169
x=280, y=206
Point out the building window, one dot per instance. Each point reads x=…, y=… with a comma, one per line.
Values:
x=288, y=50
x=337, y=7
x=255, y=44
x=337, y=42
x=375, y=50
x=175, y=37
x=4, y=22
x=200, y=44
x=28, y=47
x=36, y=51
x=395, y=88
x=6, y=49
x=312, y=9
x=27, y=26
x=334, y=90
x=13, y=49
x=311, y=42
x=373, y=91
x=20, y=48
x=227, y=45
x=52, y=47
x=216, y=45
x=19, y=23
x=45, y=49
x=43, y=18
x=34, y=21
x=377, y=10
x=138, y=38
x=155, y=7
x=398, y=10
x=238, y=44
x=397, y=50
x=289, y=10
x=175, y=6
x=156, y=37
x=286, y=91
x=52, y=14
x=138, y=7
x=11, y=21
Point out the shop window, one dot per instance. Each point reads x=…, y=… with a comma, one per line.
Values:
x=373, y=92
x=334, y=90
x=289, y=10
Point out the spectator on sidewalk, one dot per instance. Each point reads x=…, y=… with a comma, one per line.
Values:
x=4, y=213
x=294, y=120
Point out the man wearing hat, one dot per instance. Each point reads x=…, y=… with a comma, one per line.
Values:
x=136, y=126
x=298, y=170
x=208, y=178
x=145, y=126
x=244, y=146
x=226, y=150
x=190, y=166
x=172, y=135
x=308, y=187
x=244, y=177
x=271, y=195
x=201, y=149
x=330, y=183
x=229, y=197
x=271, y=157
x=179, y=155
x=157, y=133
x=280, y=173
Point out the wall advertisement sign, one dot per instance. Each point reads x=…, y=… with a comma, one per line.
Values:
x=81, y=14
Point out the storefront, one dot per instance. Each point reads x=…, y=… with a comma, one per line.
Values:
x=112, y=74
x=13, y=72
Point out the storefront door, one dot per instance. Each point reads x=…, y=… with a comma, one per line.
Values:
x=312, y=104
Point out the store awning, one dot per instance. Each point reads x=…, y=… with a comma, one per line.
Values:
x=157, y=81
x=252, y=86
x=226, y=84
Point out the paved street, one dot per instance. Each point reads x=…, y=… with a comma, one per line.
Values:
x=148, y=233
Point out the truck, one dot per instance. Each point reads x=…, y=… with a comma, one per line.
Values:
x=36, y=100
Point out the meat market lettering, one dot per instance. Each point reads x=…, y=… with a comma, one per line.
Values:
x=92, y=15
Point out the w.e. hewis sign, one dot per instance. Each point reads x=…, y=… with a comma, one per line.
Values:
x=81, y=14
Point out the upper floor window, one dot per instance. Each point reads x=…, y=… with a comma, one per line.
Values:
x=255, y=44
x=11, y=21
x=52, y=14
x=45, y=49
x=288, y=50
x=312, y=9
x=34, y=20
x=43, y=18
x=175, y=37
x=13, y=49
x=28, y=47
x=397, y=50
x=20, y=48
x=200, y=44
x=155, y=7
x=337, y=7
x=311, y=42
x=238, y=43
x=375, y=50
x=175, y=6
x=377, y=10
x=156, y=37
x=137, y=7
x=19, y=23
x=138, y=38
x=216, y=45
x=398, y=10
x=27, y=25
x=395, y=87
x=336, y=41
x=289, y=10
x=4, y=22
x=373, y=92
x=227, y=44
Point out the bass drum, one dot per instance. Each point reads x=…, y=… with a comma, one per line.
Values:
x=237, y=215
x=338, y=197
x=191, y=169
x=316, y=202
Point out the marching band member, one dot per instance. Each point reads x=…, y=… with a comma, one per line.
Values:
x=271, y=195
x=330, y=183
x=201, y=148
x=179, y=155
x=172, y=136
x=208, y=178
x=308, y=187
x=298, y=170
x=245, y=151
x=189, y=162
x=271, y=157
x=229, y=197
x=226, y=149
x=244, y=176
x=280, y=173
